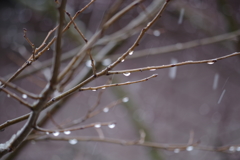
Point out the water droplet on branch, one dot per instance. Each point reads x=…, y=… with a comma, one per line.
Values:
x=232, y=149
x=131, y=53
x=24, y=96
x=111, y=126
x=189, y=148
x=125, y=99
x=73, y=141
x=97, y=125
x=105, y=109
x=56, y=134
x=210, y=62
x=127, y=74
x=176, y=150
x=67, y=132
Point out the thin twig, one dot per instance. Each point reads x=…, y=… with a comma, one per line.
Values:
x=183, y=46
x=70, y=91
x=170, y=147
x=28, y=40
x=95, y=37
x=76, y=27
x=20, y=90
x=30, y=60
x=136, y=43
x=152, y=68
x=21, y=135
x=92, y=114
x=45, y=40
x=117, y=84
x=16, y=97
x=97, y=125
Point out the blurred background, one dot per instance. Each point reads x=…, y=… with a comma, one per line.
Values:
x=200, y=100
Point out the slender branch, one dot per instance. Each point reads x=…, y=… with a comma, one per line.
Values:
x=13, y=86
x=136, y=43
x=70, y=74
x=22, y=134
x=31, y=59
x=76, y=27
x=96, y=36
x=152, y=68
x=28, y=40
x=170, y=147
x=70, y=91
x=77, y=13
x=92, y=114
x=14, y=121
x=183, y=46
x=16, y=97
x=89, y=50
x=45, y=40
x=117, y=84
x=97, y=125
x=117, y=72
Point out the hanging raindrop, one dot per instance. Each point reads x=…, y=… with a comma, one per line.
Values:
x=152, y=69
x=131, y=53
x=67, y=132
x=105, y=109
x=126, y=74
x=125, y=99
x=189, y=148
x=24, y=96
x=97, y=125
x=56, y=134
x=89, y=63
x=103, y=87
x=232, y=149
x=211, y=62
x=73, y=141
x=176, y=150
x=111, y=125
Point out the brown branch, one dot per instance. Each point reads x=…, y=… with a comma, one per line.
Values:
x=16, y=97
x=20, y=90
x=170, y=147
x=45, y=40
x=28, y=40
x=76, y=27
x=183, y=46
x=31, y=59
x=117, y=84
x=136, y=43
x=152, y=68
x=92, y=114
x=95, y=37
x=70, y=91
x=97, y=125
x=22, y=134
